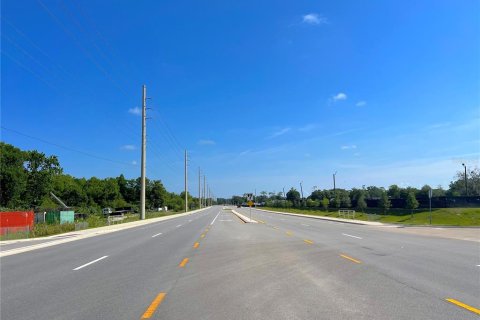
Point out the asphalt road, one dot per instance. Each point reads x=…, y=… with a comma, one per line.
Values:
x=210, y=265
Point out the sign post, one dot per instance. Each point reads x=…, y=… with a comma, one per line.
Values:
x=250, y=203
x=430, y=198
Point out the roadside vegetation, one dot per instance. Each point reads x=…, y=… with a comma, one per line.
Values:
x=92, y=221
x=28, y=177
x=441, y=217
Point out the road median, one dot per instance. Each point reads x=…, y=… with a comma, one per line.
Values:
x=341, y=220
x=243, y=217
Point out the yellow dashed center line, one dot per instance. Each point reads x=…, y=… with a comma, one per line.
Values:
x=350, y=258
x=289, y=233
x=308, y=241
x=154, y=305
x=183, y=263
x=196, y=245
x=202, y=236
x=463, y=305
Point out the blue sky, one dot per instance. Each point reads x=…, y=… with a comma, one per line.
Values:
x=263, y=94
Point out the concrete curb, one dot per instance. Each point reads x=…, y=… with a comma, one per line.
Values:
x=340, y=220
x=244, y=218
x=83, y=234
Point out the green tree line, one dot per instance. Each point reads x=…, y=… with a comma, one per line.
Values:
x=341, y=198
x=28, y=177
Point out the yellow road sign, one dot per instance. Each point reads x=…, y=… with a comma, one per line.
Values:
x=250, y=203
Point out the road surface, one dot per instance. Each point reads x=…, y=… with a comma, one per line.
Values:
x=210, y=265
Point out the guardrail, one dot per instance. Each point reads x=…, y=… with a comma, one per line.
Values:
x=115, y=219
x=346, y=214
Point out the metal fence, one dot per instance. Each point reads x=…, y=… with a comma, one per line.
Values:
x=8, y=233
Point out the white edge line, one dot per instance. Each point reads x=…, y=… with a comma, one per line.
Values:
x=87, y=264
x=178, y=226
x=213, y=221
x=156, y=235
x=349, y=235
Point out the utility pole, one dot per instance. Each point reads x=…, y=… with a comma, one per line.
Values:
x=334, y=187
x=186, y=182
x=466, y=189
x=144, y=152
x=199, y=190
x=284, y=198
x=301, y=190
x=204, y=190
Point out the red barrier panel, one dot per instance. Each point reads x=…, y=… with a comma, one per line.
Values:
x=16, y=219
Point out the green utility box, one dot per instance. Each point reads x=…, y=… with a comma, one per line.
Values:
x=60, y=217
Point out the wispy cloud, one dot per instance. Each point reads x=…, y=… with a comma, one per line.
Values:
x=206, y=142
x=339, y=96
x=306, y=128
x=134, y=162
x=361, y=103
x=245, y=152
x=314, y=19
x=347, y=147
x=136, y=111
x=279, y=133
x=128, y=147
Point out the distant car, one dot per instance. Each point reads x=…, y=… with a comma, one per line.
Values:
x=239, y=205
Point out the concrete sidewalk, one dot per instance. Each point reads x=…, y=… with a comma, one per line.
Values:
x=81, y=234
x=459, y=233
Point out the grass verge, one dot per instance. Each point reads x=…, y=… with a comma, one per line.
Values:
x=93, y=221
x=440, y=217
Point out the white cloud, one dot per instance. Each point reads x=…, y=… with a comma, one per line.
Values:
x=136, y=111
x=307, y=128
x=314, y=18
x=339, y=96
x=352, y=146
x=245, y=152
x=128, y=147
x=206, y=142
x=361, y=103
x=279, y=133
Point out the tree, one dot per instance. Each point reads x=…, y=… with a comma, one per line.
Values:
x=293, y=196
x=394, y=191
x=337, y=201
x=13, y=176
x=312, y=203
x=156, y=195
x=325, y=203
x=411, y=202
x=423, y=193
x=361, y=203
x=457, y=187
x=345, y=200
x=40, y=172
x=69, y=190
x=374, y=192
x=384, y=202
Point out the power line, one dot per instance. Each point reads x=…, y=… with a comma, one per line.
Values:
x=66, y=147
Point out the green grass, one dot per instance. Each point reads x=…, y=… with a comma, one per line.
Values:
x=94, y=221
x=441, y=217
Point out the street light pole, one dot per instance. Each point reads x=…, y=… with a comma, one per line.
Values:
x=466, y=189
